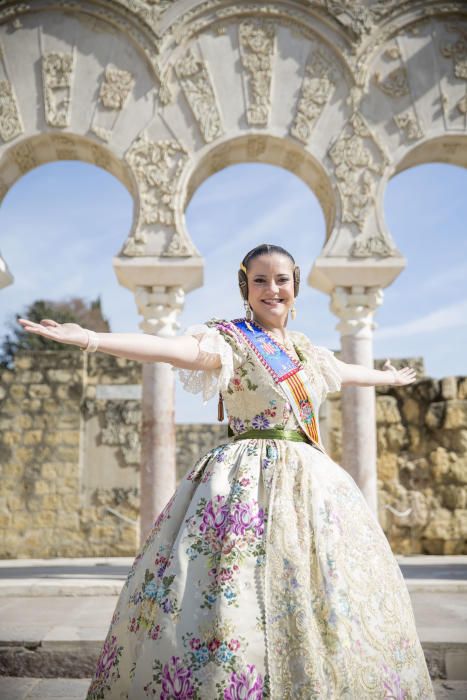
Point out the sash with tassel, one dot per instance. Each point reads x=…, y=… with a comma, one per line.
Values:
x=288, y=374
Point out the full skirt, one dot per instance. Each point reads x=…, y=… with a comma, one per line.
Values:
x=266, y=576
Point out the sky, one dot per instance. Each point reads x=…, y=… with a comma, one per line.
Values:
x=61, y=224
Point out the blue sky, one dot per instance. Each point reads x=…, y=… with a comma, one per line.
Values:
x=62, y=223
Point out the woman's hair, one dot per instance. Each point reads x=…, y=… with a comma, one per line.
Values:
x=265, y=249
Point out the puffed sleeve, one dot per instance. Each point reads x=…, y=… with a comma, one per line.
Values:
x=329, y=369
x=210, y=381
x=321, y=364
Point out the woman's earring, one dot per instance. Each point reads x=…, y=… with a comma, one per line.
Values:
x=248, y=315
x=293, y=313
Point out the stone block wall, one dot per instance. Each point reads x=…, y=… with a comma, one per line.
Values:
x=421, y=465
x=70, y=450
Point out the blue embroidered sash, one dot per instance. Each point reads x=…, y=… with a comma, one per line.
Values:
x=288, y=374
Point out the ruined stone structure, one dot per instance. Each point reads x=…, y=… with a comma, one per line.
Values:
x=343, y=93
x=70, y=452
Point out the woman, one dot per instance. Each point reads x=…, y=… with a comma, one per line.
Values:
x=266, y=575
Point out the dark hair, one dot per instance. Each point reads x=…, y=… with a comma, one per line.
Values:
x=266, y=249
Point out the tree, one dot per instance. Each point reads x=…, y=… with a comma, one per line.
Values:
x=74, y=310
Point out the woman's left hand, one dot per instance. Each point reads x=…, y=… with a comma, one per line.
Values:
x=403, y=376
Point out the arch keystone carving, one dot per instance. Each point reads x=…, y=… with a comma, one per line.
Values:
x=257, y=42
x=196, y=85
x=317, y=86
x=10, y=121
x=57, y=74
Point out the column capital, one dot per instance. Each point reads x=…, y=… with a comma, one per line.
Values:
x=159, y=305
x=355, y=307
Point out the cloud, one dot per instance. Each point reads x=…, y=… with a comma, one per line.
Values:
x=450, y=316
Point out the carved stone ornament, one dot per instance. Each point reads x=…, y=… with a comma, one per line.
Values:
x=257, y=41
x=457, y=50
x=196, y=84
x=392, y=53
x=24, y=157
x=318, y=83
x=103, y=133
x=57, y=72
x=371, y=246
x=115, y=88
x=150, y=11
x=395, y=84
x=133, y=247
x=352, y=14
x=408, y=123
x=462, y=105
x=357, y=169
x=157, y=166
x=10, y=122
x=179, y=246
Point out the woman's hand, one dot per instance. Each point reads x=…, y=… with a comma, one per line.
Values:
x=68, y=333
x=403, y=376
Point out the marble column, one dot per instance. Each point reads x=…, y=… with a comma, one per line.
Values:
x=355, y=307
x=159, y=306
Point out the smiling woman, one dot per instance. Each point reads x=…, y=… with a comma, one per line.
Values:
x=266, y=534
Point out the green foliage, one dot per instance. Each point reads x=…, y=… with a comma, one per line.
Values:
x=75, y=310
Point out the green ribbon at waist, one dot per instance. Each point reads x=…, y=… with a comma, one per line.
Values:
x=273, y=434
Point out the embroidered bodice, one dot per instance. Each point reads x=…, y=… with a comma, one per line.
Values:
x=251, y=397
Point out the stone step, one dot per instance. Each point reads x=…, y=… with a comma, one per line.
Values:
x=75, y=689
x=60, y=636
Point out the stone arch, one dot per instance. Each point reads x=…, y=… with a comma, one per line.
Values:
x=352, y=86
x=268, y=149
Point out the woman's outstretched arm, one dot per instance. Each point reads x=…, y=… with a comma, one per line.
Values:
x=181, y=351
x=360, y=375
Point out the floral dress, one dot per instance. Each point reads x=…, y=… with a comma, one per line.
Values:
x=266, y=575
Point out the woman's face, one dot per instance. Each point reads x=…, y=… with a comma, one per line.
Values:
x=271, y=288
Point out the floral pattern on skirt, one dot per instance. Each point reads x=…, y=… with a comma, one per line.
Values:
x=266, y=576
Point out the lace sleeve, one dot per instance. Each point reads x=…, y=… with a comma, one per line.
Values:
x=328, y=368
x=209, y=381
x=321, y=364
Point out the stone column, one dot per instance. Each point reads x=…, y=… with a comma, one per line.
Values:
x=355, y=307
x=159, y=305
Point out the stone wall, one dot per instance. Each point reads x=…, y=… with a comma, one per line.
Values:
x=69, y=455
x=422, y=463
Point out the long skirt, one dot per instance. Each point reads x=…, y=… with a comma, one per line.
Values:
x=266, y=575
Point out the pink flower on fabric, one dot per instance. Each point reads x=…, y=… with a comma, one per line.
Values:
x=245, y=686
x=244, y=518
x=176, y=685
x=108, y=657
x=216, y=517
x=224, y=575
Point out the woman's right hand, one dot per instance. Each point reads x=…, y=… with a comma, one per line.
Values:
x=68, y=333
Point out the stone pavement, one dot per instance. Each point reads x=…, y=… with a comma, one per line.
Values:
x=54, y=615
x=75, y=689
